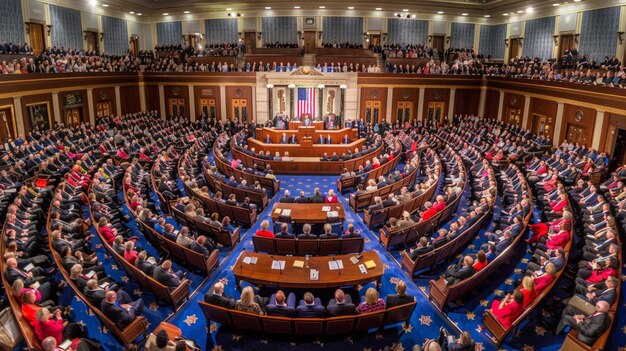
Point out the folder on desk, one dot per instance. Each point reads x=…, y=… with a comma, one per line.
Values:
x=370, y=264
x=278, y=265
x=286, y=212
x=277, y=211
x=335, y=264
x=326, y=208
x=298, y=263
x=250, y=260
x=332, y=214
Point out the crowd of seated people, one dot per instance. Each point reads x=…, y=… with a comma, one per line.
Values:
x=346, y=67
x=14, y=48
x=285, y=305
x=346, y=45
x=407, y=51
x=280, y=45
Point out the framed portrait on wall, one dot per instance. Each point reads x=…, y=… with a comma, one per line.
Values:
x=309, y=21
x=39, y=115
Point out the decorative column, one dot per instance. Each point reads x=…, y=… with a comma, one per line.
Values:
x=389, y=108
x=56, y=108
x=526, y=111
x=270, y=95
x=597, y=130
x=320, y=101
x=118, y=100
x=342, y=103
x=19, y=116
x=420, y=105
x=223, y=108
x=192, y=103
x=481, y=101
x=451, y=104
x=162, y=102
x=142, y=97
x=90, y=105
x=559, y=120
x=500, y=106
x=292, y=93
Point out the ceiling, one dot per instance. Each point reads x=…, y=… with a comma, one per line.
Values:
x=192, y=9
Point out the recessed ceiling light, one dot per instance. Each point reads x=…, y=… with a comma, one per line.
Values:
x=105, y=5
x=464, y=14
x=322, y=7
x=379, y=9
x=166, y=14
x=530, y=10
x=132, y=12
x=487, y=16
x=520, y=11
x=187, y=12
x=440, y=12
x=350, y=7
x=505, y=14
x=296, y=7
x=556, y=4
x=405, y=10
x=229, y=9
x=578, y=0
x=242, y=15
x=139, y=14
x=413, y=16
x=268, y=7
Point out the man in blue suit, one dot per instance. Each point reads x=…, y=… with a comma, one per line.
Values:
x=121, y=314
x=279, y=306
x=311, y=307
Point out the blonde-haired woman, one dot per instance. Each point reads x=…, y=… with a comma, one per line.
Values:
x=265, y=230
x=372, y=302
x=246, y=302
x=371, y=185
x=528, y=290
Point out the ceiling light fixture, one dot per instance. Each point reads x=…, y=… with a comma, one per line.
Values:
x=530, y=10
x=166, y=14
x=296, y=7
x=105, y=5
x=268, y=8
x=187, y=12
x=578, y=0
x=505, y=14
x=379, y=9
x=139, y=14
x=487, y=16
x=322, y=7
x=132, y=12
x=464, y=14
x=440, y=12
x=350, y=7
x=413, y=16
x=405, y=10
x=556, y=4
x=229, y=9
x=519, y=11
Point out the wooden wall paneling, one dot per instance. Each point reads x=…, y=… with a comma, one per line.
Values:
x=208, y=92
x=491, y=104
x=466, y=101
x=176, y=92
x=106, y=94
x=129, y=99
x=404, y=94
x=513, y=102
x=238, y=92
x=542, y=107
x=84, y=109
x=378, y=94
x=152, y=97
x=36, y=99
x=573, y=119
x=615, y=122
x=436, y=95
x=10, y=126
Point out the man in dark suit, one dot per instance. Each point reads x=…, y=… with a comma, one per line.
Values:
x=351, y=232
x=378, y=205
x=317, y=196
x=306, y=232
x=341, y=305
x=199, y=246
x=421, y=248
x=310, y=307
x=143, y=264
x=400, y=298
x=281, y=306
x=327, y=232
x=301, y=198
x=293, y=139
x=216, y=297
x=164, y=275
x=589, y=327
x=283, y=139
x=122, y=314
x=458, y=272
x=284, y=232
x=268, y=140
x=320, y=139
x=286, y=198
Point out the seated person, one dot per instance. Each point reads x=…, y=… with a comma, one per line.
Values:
x=284, y=232
x=327, y=232
x=400, y=297
x=341, y=305
x=121, y=314
x=166, y=276
x=508, y=309
x=421, y=248
x=306, y=232
x=216, y=297
x=265, y=230
x=246, y=303
x=460, y=271
x=281, y=306
x=372, y=302
x=589, y=327
x=310, y=307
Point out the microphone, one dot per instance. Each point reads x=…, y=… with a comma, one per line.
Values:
x=280, y=268
x=241, y=263
x=338, y=266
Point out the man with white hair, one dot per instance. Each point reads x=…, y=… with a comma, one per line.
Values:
x=589, y=327
x=216, y=297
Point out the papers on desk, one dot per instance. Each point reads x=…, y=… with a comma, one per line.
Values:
x=370, y=264
x=277, y=211
x=250, y=260
x=35, y=285
x=29, y=267
x=332, y=214
x=65, y=344
x=278, y=265
x=286, y=212
x=326, y=208
x=104, y=285
x=315, y=274
x=333, y=265
x=90, y=274
x=354, y=259
x=298, y=264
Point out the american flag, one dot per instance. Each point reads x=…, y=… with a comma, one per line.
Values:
x=306, y=101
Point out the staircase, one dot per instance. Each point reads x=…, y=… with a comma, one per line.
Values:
x=308, y=60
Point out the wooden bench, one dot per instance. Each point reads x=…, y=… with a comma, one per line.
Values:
x=218, y=234
x=207, y=60
x=227, y=170
x=256, y=197
x=441, y=294
x=238, y=214
x=302, y=247
x=358, y=202
x=348, y=183
x=264, y=324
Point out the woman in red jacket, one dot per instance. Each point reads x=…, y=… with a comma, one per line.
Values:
x=599, y=273
x=545, y=279
x=541, y=229
x=265, y=230
x=49, y=325
x=528, y=290
x=558, y=206
x=507, y=310
x=331, y=197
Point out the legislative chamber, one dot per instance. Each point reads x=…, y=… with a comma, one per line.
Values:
x=432, y=175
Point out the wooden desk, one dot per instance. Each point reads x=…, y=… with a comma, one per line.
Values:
x=308, y=212
x=293, y=125
x=335, y=135
x=294, y=277
x=305, y=148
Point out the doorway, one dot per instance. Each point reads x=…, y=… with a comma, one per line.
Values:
x=372, y=111
x=435, y=111
x=515, y=48
x=239, y=110
x=541, y=125
x=374, y=39
x=37, y=38
x=73, y=116
x=404, y=112
x=176, y=107
x=92, y=41
x=103, y=109
x=438, y=41
x=7, y=123
x=514, y=116
x=249, y=40
x=619, y=149
x=566, y=43
x=134, y=46
x=576, y=134
x=309, y=42
x=207, y=108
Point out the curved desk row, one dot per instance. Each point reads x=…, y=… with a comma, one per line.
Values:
x=305, y=148
x=336, y=136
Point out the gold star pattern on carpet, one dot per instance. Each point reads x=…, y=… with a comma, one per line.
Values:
x=213, y=328
x=319, y=342
x=114, y=267
x=480, y=328
x=217, y=348
x=293, y=344
x=484, y=303
x=154, y=306
x=470, y=315
x=138, y=292
x=624, y=329
x=528, y=348
x=125, y=279
x=236, y=337
x=407, y=328
x=98, y=246
x=394, y=280
x=264, y=341
x=517, y=271
x=479, y=346
x=425, y=320
x=224, y=281
x=540, y=331
x=471, y=247
x=524, y=260
x=498, y=292
x=367, y=349
x=191, y=320
x=508, y=282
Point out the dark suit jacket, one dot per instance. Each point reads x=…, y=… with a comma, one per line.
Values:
x=316, y=199
x=592, y=327
x=421, y=250
x=396, y=300
x=199, y=248
x=117, y=314
x=165, y=278
x=329, y=236
x=145, y=266
x=311, y=311
x=375, y=207
x=96, y=297
x=285, y=199
x=307, y=236
x=282, y=235
x=219, y=300
x=301, y=199
x=502, y=245
x=281, y=311
x=341, y=310
x=13, y=274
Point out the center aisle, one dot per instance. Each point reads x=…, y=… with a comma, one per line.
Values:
x=425, y=322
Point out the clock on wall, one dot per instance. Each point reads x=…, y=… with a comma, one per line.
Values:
x=578, y=115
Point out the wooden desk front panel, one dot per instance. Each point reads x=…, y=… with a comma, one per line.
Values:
x=335, y=135
x=308, y=212
x=293, y=277
x=305, y=149
x=293, y=125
